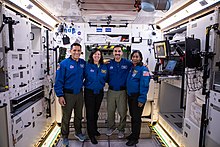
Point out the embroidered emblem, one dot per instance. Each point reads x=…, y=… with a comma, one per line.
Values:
x=71, y=66
x=134, y=73
x=82, y=65
x=124, y=67
x=104, y=71
x=146, y=73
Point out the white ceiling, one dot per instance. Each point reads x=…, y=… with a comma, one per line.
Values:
x=97, y=11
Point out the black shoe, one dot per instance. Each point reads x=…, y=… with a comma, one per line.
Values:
x=129, y=137
x=93, y=140
x=131, y=142
x=97, y=133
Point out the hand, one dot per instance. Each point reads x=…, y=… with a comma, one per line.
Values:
x=140, y=104
x=62, y=101
x=107, y=61
x=145, y=65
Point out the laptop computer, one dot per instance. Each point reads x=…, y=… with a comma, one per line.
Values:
x=168, y=70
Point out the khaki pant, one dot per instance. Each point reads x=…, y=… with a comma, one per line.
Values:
x=117, y=100
x=73, y=101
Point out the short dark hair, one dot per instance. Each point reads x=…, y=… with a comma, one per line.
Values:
x=140, y=54
x=91, y=60
x=117, y=46
x=75, y=44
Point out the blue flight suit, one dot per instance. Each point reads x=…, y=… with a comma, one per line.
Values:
x=117, y=75
x=137, y=88
x=68, y=84
x=95, y=79
x=69, y=77
x=138, y=82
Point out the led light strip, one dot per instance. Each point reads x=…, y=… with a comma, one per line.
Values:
x=184, y=13
x=34, y=10
x=164, y=137
x=52, y=137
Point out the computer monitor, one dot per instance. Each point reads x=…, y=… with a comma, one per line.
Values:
x=170, y=66
x=161, y=49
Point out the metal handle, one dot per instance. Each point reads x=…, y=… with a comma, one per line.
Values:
x=29, y=123
x=22, y=85
x=43, y=39
x=182, y=104
x=32, y=35
x=21, y=67
x=39, y=114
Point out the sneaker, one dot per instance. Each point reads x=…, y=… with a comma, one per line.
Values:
x=65, y=142
x=80, y=136
x=121, y=134
x=110, y=131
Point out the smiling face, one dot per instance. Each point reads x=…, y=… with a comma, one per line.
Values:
x=96, y=56
x=136, y=58
x=75, y=52
x=117, y=52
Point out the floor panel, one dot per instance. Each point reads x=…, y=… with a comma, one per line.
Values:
x=113, y=141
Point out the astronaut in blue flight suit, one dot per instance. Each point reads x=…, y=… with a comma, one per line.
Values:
x=68, y=88
x=118, y=69
x=95, y=79
x=137, y=88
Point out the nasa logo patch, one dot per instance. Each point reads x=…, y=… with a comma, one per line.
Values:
x=71, y=66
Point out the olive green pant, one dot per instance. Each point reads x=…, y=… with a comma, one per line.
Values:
x=73, y=101
x=117, y=100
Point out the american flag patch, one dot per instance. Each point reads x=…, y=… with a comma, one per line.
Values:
x=146, y=73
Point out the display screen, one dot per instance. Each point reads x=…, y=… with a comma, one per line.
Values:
x=161, y=49
x=170, y=65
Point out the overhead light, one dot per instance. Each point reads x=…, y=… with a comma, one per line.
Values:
x=186, y=12
x=36, y=11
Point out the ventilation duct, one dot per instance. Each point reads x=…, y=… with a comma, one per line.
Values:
x=151, y=5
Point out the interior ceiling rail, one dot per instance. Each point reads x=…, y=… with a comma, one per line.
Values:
x=108, y=25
